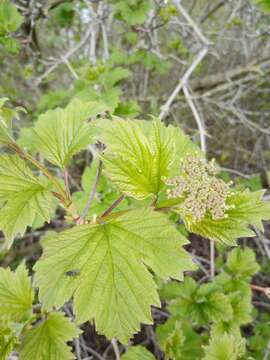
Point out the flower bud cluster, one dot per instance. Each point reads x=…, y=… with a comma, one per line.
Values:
x=201, y=191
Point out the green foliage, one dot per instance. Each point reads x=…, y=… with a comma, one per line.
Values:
x=61, y=133
x=10, y=21
x=245, y=208
x=178, y=340
x=16, y=295
x=224, y=305
x=47, y=339
x=113, y=253
x=263, y=4
x=132, y=146
x=8, y=339
x=137, y=353
x=133, y=12
x=201, y=304
x=23, y=197
x=120, y=281
x=225, y=347
x=6, y=117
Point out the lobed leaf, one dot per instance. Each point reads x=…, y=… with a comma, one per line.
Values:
x=47, y=340
x=110, y=261
x=247, y=208
x=16, y=294
x=137, y=353
x=140, y=154
x=61, y=133
x=23, y=197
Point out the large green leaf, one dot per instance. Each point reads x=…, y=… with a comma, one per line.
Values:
x=137, y=353
x=16, y=295
x=47, y=340
x=23, y=197
x=61, y=133
x=140, y=154
x=105, y=268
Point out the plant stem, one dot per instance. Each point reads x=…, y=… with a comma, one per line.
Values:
x=92, y=192
x=114, y=204
x=63, y=196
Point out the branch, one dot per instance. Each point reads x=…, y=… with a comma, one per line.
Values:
x=114, y=204
x=211, y=81
x=64, y=58
x=197, y=118
x=166, y=107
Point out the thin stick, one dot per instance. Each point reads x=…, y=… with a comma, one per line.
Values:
x=114, y=204
x=197, y=118
x=115, y=349
x=166, y=107
x=191, y=22
x=92, y=193
x=66, y=181
x=64, y=58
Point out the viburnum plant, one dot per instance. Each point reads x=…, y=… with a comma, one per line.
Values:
x=106, y=259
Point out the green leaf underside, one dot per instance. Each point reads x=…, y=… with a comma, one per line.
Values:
x=16, y=295
x=47, y=340
x=140, y=154
x=249, y=209
x=137, y=353
x=61, y=133
x=111, y=261
x=23, y=197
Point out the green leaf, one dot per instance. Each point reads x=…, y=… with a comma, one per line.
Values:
x=242, y=263
x=16, y=294
x=249, y=207
x=202, y=303
x=23, y=197
x=5, y=123
x=133, y=13
x=246, y=208
x=110, y=262
x=225, y=230
x=47, y=340
x=61, y=133
x=137, y=353
x=225, y=347
x=178, y=340
x=112, y=76
x=140, y=154
x=10, y=18
x=8, y=339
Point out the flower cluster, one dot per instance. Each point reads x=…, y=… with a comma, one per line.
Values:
x=201, y=190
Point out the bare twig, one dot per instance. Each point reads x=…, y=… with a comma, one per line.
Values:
x=166, y=107
x=197, y=117
x=115, y=349
x=114, y=204
x=64, y=58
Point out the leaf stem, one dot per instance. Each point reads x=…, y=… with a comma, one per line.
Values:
x=63, y=196
x=114, y=204
x=92, y=193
